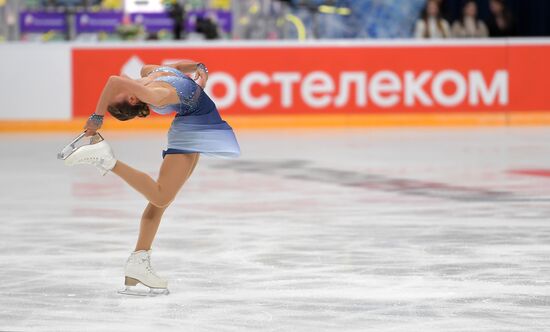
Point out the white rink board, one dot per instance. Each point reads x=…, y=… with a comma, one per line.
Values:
x=355, y=230
x=35, y=83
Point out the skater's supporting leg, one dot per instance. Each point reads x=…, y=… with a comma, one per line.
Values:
x=174, y=171
x=150, y=221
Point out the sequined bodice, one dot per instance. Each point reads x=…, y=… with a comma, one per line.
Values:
x=193, y=99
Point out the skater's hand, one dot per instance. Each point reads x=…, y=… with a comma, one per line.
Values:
x=91, y=128
x=93, y=124
x=90, y=132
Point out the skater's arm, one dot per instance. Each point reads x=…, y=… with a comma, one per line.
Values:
x=196, y=69
x=147, y=69
x=185, y=66
x=202, y=77
x=189, y=67
x=153, y=95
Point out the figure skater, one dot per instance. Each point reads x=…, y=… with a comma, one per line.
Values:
x=196, y=129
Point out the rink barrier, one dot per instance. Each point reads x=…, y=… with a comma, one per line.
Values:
x=497, y=82
x=161, y=124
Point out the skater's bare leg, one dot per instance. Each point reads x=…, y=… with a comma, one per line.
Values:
x=151, y=217
x=174, y=171
x=150, y=221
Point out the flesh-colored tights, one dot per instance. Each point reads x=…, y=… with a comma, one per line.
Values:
x=175, y=170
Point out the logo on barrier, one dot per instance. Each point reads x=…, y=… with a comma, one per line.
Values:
x=384, y=89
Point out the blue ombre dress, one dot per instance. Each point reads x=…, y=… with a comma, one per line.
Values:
x=197, y=126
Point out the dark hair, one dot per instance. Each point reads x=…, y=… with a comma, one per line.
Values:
x=125, y=111
x=424, y=14
x=467, y=2
x=464, y=4
x=505, y=9
x=439, y=17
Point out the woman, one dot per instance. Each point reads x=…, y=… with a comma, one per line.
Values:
x=196, y=129
x=431, y=24
x=469, y=26
x=501, y=22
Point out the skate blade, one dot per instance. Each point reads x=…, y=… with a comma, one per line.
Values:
x=78, y=142
x=143, y=291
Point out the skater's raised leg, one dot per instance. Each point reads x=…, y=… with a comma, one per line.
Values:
x=174, y=172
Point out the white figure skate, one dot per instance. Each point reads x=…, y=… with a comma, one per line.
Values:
x=97, y=153
x=140, y=278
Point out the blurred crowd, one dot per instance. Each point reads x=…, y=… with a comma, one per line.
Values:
x=432, y=23
x=276, y=19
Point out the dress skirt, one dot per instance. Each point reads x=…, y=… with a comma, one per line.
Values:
x=207, y=134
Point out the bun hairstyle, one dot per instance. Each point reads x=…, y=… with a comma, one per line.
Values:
x=125, y=111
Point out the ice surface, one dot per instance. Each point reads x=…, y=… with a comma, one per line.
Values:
x=336, y=230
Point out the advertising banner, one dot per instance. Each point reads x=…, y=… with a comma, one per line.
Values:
x=336, y=79
x=153, y=22
x=98, y=22
x=42, y=22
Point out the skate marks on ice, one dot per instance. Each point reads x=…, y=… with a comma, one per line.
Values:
x=306, y=171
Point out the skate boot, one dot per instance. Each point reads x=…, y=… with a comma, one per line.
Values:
x=99, y=154
x=138, y=273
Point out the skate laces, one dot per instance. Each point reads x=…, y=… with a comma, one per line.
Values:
x=148, y=267
x=94, y=159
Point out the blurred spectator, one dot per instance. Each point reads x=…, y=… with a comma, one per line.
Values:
x=469, y=25
x=431, y=24
x=177, y=14
x=445, y=9
x=208, y=28
x=501, y=23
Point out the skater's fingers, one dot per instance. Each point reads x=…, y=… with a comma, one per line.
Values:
x=91, y=128
x=90, y=132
